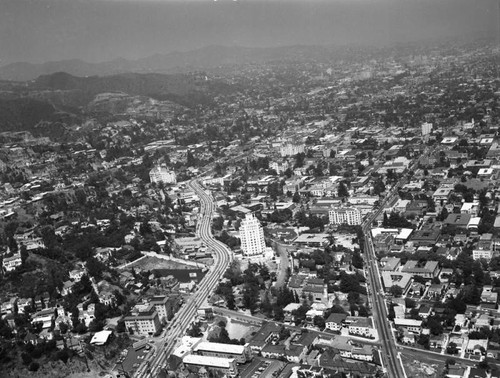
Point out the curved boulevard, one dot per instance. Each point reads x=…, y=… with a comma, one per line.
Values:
x=222, y=256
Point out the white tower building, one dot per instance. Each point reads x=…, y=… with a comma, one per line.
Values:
x=162, y=174
x=345, y=215
x=252, y=236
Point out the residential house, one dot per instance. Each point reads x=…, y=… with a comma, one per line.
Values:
x=335, y=322
x=11, y=263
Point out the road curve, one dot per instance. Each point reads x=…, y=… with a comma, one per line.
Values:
x=184, y=317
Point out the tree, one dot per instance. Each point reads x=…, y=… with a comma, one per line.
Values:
x=63, y=327
x=396, y=291
x=24, y=254
x=120, y=326
x=319, y=322
x=435, y=326
x=296, y=197
x=95, y=268
x=194, y=331
x=357, y=259
x=378, y=186
x=26, y=358
x=299, y=160
x=342, y=190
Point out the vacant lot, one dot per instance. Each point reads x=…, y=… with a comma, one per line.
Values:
x=153, y=263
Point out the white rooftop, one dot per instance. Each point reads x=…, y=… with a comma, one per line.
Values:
x=221, y=348
x=210, y=361
x=100, y=338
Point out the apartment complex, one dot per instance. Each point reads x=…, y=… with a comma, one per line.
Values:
x=345, y=215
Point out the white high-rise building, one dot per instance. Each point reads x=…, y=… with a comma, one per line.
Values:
x=426, y=128
x=162, y=174
x=291, y=148
x=252, y=236
x=345, y=215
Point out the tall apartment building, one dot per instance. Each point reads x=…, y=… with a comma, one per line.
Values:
x=165, y=306
x=290, y=148
x=252, y=236
x=162, y=174
x=144, y=323
x=345, y=215
x=426, y=128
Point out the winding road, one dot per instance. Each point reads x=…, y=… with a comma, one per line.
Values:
x=185, y=316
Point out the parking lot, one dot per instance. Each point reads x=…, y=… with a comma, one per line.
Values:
x=261, y=368
x=133, y=359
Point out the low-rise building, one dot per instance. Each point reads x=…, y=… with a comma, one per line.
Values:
x=429, y=269
x=11, y=263
x=335, y=322
x=411, y=325
x=197, y=363
x=240, y=353
x=362, y=327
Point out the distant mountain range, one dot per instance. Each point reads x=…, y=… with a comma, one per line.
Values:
x=175, y=62
x=61, y=97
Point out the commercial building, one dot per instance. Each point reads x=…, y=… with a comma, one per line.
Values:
x=252, y=236
x=240, y=353
x=226, y=366
x=345, y=215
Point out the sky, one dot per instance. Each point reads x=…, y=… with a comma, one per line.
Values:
x=99, y=30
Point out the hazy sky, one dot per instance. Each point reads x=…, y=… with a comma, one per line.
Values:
x=99, y=30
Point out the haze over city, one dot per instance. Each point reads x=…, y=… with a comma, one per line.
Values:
x=100, y=30
x=250, y=188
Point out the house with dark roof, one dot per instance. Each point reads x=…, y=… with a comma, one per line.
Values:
x=335, y=322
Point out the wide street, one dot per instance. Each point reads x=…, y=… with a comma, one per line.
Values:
x=389, y=348
x=184, y=317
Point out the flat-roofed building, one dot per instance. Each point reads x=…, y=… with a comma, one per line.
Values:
x=473, y=224
x=425, y=237
x=227, y=366
x=166, y=306
x=240, y=353
x=345, y=215
x=429, y=269
x=312, y=240
x=362, y=327
x=486, y=254
x=162, y=174
x=411, y=325
x=390, y=279
x=144, y=323
x=390, y=264
x=458, y=220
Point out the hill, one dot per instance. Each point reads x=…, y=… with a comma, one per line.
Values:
x=186, y=90
x=175, y=62
x=23, y=114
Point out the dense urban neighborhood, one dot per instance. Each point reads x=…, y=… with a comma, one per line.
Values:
x=326, y=217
